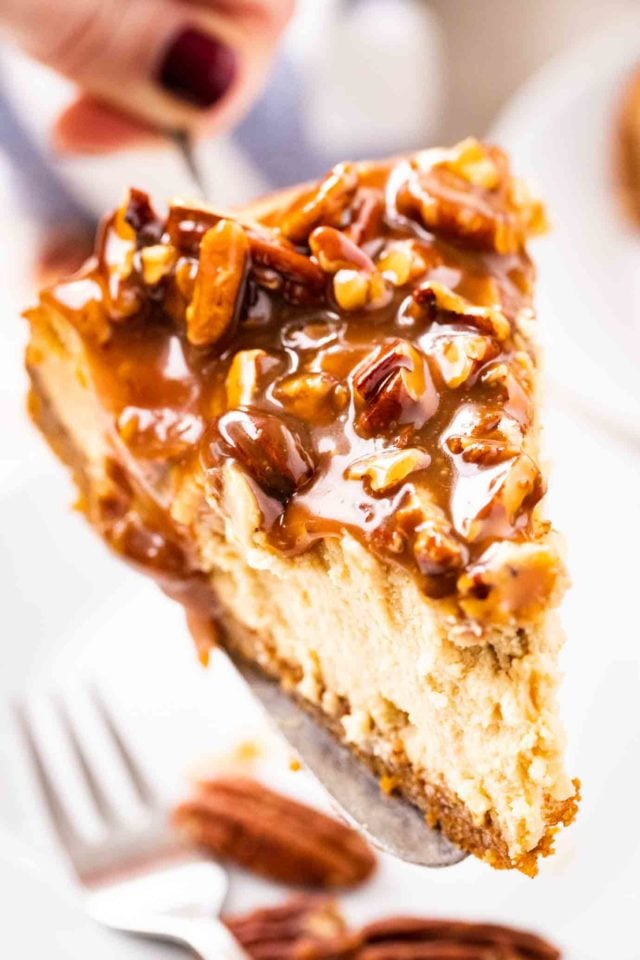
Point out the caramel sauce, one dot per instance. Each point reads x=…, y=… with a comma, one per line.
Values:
x=316, y=401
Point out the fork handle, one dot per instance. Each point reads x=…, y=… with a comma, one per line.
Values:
x=212, y=941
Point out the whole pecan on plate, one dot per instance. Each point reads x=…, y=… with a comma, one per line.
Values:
x=303, y=928
x=417, y=938
x=239, y=819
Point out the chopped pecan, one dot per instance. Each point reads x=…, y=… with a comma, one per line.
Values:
x=388, y=468
x=481, y=451
x=308, y=927
x=468, y=192
x=504, y=501
x=335, y=251
x=441, y=302
x=219, y=284
x=159, y=434
x=422, y=525
x=415, y=938
x=366, y=219
x=327, y=204
x=512, y=580
x=395, y=384
x=360, y=290
x=157, y=261
x=460, y=355
x=357, y=284
x=142, y=218
x=401, y=262
x=273, y=835
x=315, y=397
x=270, y=448
x=242, y=379
x=116, y=250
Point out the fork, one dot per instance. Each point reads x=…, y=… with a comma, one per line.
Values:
x=137, y=877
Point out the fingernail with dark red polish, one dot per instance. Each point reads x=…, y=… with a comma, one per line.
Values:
x=198, y=68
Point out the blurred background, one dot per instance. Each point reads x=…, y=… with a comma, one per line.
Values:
x=363, y=78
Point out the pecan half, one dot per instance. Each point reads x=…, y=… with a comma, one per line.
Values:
x=273, y=835
x=395, y=384
x=468, y=192
x=224, y=252
x=270, y=448
x=298, y=270
x=303, y=928
x=415, y=938
x=325, y=205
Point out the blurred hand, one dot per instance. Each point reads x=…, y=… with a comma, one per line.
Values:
x=145, y=66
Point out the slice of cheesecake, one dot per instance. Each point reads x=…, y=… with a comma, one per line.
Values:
x=314, y=422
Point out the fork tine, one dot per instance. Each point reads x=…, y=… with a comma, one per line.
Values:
x=103, y=805
x=62, y=825
x=143, y=789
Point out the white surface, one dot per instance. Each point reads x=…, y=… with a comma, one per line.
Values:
x=560, y=131
x=70, y=612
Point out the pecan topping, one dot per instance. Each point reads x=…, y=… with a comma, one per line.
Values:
x=269, y=448
x=218, y=289
x=365, y=357
x=396, y=386
x=273, y=835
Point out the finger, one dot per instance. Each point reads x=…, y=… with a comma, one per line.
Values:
x=89, y=126
x=168, y=63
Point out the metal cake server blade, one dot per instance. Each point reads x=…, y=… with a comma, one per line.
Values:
x=391, y=823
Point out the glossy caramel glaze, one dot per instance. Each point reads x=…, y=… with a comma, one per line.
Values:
x=363, y=352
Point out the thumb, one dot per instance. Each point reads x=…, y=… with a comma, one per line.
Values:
x=168, y=63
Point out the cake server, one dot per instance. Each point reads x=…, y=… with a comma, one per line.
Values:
x=389, y=822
